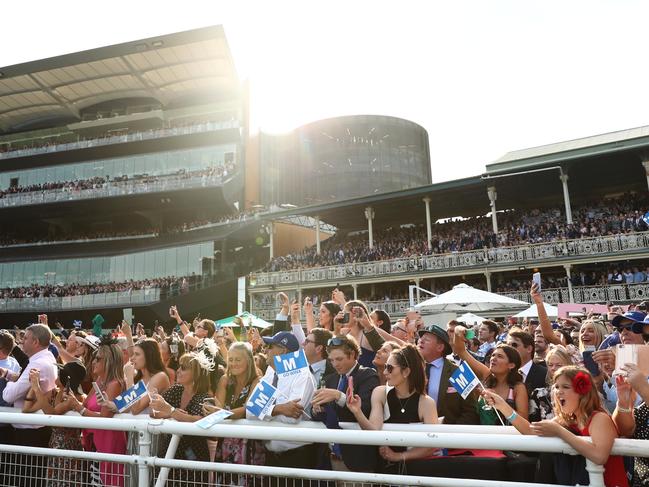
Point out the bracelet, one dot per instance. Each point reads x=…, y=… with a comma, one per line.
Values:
x=83, y=410
x=624, y=410
x=173, y=409
x=512, y=416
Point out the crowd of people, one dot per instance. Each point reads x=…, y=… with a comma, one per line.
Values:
x=63, y=290
x=543, y=378
x=605, y=217
x=216, y=170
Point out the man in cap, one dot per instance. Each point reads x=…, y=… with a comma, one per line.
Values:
x=293, y=396
x=434, y=346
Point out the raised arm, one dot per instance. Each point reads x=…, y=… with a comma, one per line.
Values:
x=544, y=321
x=375, y=421
x=308, y=314
x=458, y=343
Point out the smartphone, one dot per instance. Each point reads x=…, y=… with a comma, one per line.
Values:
x=99, y=393
x=589, y=363
x=350, y=387
x=345, y=318
x=536, y=279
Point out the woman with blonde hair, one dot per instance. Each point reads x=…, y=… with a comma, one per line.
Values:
x=541, y=398
x=578, y=412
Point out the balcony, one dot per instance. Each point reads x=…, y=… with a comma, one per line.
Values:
x=561, y=250
x=111, y=189
x=617, y=293
x=120, y=139
x=88, y=301
x=394, y=308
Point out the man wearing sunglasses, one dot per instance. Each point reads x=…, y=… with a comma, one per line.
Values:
x=343, y=354
x=533, y=374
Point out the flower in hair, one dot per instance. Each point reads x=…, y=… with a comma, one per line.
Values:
x=210, y=345
x=581, y=383
x=204, y=359
x=107, y=340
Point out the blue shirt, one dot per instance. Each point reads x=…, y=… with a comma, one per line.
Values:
x=435, y=377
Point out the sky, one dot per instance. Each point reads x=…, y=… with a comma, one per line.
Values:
x=483, y=77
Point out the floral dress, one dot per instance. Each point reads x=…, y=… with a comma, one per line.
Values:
x=62, y=472
x=238, y=450
x=541, y=404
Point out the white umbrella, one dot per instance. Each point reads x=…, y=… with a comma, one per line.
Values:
x=531, y=312
x=470, y=319
x=467, y=298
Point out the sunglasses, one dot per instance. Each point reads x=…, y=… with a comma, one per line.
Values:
x=395, y=328
x=628, y=327
x=513, y=344
x=306, y=340
x=390, y=367
x=336, y=341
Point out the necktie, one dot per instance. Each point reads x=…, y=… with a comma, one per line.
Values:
x=433, y=384
x=342, y=383
x=275, y=379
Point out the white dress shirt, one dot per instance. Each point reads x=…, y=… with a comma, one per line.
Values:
x=525, y=369
x=15, y=392
x=300, y=386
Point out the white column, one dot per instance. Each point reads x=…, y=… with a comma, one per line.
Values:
x=491, y=192
x=569, y=276
x=355, y=288
x=429, y=232
x=317, y=235
x=271, y=231
x=645, y=164
x=566, y=197
x=369, y=214
x=418, y=281
x=487, y=276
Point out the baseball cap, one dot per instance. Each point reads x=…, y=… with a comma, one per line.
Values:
x=284, y=339
x=636, y=317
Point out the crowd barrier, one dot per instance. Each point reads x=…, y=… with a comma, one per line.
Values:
x=150, y=468
x=422, y=264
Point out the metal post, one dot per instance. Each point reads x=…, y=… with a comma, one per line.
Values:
x=144, y=452
x=355, y=288
x=429, y=232
x=317, y=235
x=418, y=282
x=164, y=471
x=595, y=474
x=369, y=214
x=566, y=196
x=271, y=231
x=488, y=278
x=493, y=195
x=569, y=276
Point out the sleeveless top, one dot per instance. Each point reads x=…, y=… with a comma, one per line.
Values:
x=571, y=469
x=410, y=414
x=488, y=415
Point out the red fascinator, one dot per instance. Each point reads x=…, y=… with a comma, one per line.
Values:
x=581, y=383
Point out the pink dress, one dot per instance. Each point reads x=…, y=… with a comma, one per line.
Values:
x=112, y=474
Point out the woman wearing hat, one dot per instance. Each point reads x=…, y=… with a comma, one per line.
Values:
x=60, y=471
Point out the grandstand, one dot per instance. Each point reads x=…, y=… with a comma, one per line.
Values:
x=129, y=178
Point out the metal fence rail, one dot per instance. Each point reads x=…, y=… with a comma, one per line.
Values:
x=151, y=467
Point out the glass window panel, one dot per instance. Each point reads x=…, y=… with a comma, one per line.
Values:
x=118, y=264
x=129, y=265
x=85, y=274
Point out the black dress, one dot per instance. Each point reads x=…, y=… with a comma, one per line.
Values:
x=402, y=411
x=189, y=447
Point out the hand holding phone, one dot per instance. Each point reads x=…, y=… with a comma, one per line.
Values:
x=350, y=388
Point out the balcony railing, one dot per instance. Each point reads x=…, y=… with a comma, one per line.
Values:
x=87, y=301
x=397, y=307
x=118, y=139
x=110, y=189
x=590, y=294
x=517, y=255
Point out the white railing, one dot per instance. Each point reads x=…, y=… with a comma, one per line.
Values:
x=431, y=436
x=111, y=189
x=118, y=139
x=102, y=300
x=521, y=254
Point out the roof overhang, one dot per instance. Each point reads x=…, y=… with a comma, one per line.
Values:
x=164, y=68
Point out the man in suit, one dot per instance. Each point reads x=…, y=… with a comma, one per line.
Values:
x=315, y=349
x=434, y=346
x=343, y=354
x=534, y=374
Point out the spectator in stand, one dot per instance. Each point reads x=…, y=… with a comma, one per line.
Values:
x=350, y=378
x=171, y=349
x=578, y=413
x=534, y=375
x=541, y=398
x=381, y=358
x=540, y=348
x=434, y=346
x=107, y=370
x=405, y=402
x=315, y=349
x=487, y=333
x=35, y=345
x=631, y=418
